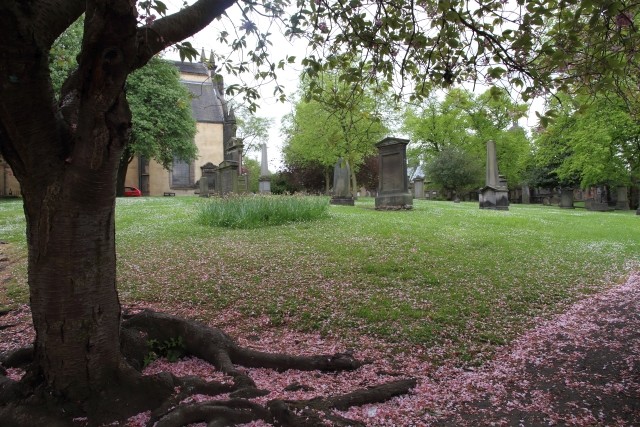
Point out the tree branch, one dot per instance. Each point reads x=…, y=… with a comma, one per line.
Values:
x=177, y=27
x=53, y=17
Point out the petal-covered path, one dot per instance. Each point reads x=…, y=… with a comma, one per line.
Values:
x=580, y=368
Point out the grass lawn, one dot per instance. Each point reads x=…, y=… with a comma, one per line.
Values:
x=451, y=277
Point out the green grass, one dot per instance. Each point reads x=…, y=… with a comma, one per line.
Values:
x=443, y=274
x=260, y=211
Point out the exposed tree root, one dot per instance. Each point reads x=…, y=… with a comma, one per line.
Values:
x=164, y=393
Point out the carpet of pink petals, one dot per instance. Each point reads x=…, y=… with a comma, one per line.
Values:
x=580, y=368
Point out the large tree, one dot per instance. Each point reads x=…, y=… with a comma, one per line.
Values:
x=463, y=122
x=339, y=120
x=64, y=151
x=590, y=142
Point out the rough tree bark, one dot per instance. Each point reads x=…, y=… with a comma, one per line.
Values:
x=65, y=157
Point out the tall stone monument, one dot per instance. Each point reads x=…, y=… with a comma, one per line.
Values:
x=495, y=194
x=229, y=169
x=393, y=182
x=341, y=194
x=264, y=182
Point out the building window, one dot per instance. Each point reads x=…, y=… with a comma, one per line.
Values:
x=182, y=173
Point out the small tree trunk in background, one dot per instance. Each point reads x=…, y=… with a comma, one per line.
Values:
x=354, y=184
x=327, y=182
x=123, y=166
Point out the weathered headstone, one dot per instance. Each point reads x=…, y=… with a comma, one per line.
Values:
x=208, y=179
x=228, y=177
x=566, y=198
x=393, y=183
x=526, y=195
x=418, y=188
x=495, y=194
x=622, y=201
x=341, y=194
x=264, y=181
x=600, y=201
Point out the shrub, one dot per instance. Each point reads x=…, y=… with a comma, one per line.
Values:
x=260, y=211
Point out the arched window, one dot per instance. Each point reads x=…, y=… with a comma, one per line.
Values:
x=182, y=173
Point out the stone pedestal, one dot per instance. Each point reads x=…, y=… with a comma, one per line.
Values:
x=600, y=202
x=204, y=187
x=566, y=198
x=264, y=185
x=393, y=183
x=622, y=201
x=494, y=198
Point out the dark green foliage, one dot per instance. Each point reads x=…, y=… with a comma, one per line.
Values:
x=172, y=349
x=163, y=125
x=455, y=170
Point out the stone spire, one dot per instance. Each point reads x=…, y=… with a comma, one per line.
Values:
x=264, y=182
x=492, y=165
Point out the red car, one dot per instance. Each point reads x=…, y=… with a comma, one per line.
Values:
x=132, y=192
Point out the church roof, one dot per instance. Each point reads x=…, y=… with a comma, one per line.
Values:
x=207, y=102
x=191, y=67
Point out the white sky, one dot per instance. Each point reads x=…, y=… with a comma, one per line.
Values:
x=270, y=106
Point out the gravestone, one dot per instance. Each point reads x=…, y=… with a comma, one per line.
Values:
x=600, y=202
x=208, y=179
x=264, y=182
x=228, y=178
x=526, y=195
x=622, y=202
x=566, y=198
x=341, y=194
x=418, y=188
x=495, y=194
x=393, y=182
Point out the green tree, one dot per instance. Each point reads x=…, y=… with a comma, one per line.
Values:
x=438, y=124
x=252, y=167
x=253, y=129
x=464, y=121
x=455, y=170
x=591, y=142
x=339, y=121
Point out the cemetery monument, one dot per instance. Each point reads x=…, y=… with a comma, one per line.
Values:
x=495, y=194
x=393, y=182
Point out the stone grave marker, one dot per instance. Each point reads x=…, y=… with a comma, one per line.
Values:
x=393, y=182
x=341, y=194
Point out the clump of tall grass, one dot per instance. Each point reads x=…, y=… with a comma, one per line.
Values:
x=260, y=211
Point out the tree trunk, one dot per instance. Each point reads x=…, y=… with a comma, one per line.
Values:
x=71, y=241
x=354, y=184
x=123, y=166
x=327, y=182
